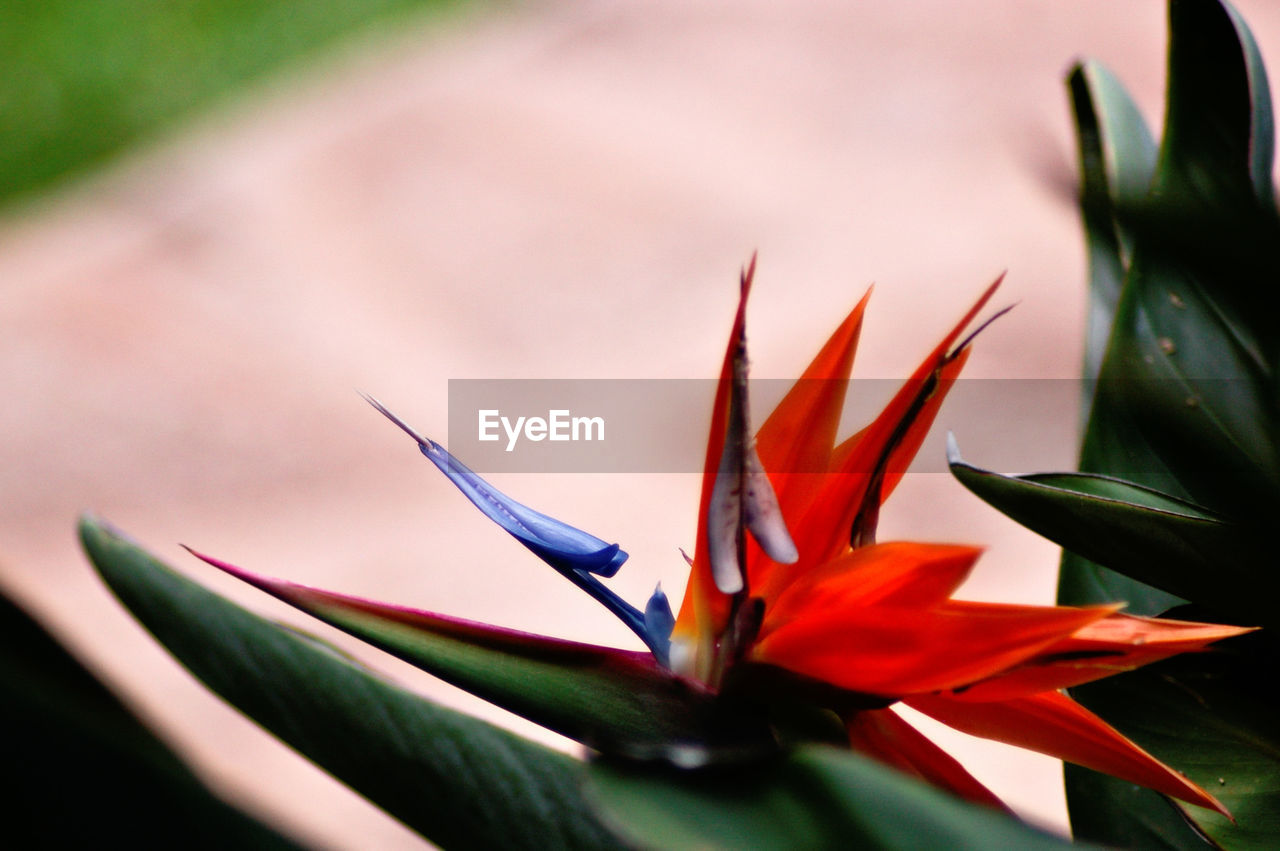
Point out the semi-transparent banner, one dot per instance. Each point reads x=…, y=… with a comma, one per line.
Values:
x=660, y=425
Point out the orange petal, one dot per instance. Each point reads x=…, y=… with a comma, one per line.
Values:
x=893, y=651
x=900, y=408
x=905, y=451
x=903, y=574
x=882, y=734
x=1109, y=646
x=1054, y=724
x=705, y=609
x=1164, y=635
x=823, y=532
x=869, y=465
x=796, y=440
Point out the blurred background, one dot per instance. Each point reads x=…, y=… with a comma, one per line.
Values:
x=219, y=219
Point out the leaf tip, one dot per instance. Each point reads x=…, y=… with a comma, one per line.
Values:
x=93, y=529
x=953, y=450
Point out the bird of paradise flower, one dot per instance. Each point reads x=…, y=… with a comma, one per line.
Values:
x=793, y=605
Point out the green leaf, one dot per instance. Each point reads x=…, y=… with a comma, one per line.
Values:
x=460, y=782
x=1117, y=159
x=1219, y=137
x=1217, y=722
x=85, y=772
x=1185, y=405
x=609, y=699
x=1108, y=810
x=1166, y=542
x=1185, y=402
x=815, y=797
x=1186, y=399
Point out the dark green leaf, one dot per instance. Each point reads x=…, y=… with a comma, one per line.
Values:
x=1084, y=583
x=815, y=797
x=612, y=700
x=458, y=781
x=1217, y=722
x=1186, y=400
x=1117, y=159
x=1149, y=536
x=1109, y=810
x=1219, y=133
x=85, y=772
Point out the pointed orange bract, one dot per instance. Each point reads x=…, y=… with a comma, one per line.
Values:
x=913, y=436
x=795, y=442
x=897, y=574
x=894, y=651
x=876, y=457
x=1110, y=646
x=882, y=733
x=1054, y=724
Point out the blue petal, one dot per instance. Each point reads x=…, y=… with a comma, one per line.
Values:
x=578, y=556
x=659, y=621
x=560, y=545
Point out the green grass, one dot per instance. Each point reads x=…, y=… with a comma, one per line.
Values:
x=80, y=80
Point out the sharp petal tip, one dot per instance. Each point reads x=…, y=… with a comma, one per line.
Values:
x=986, y=323
x=405, y=427
x=748, y=274
x=204, y=558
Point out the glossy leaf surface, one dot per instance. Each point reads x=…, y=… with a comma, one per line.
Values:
x=1152, y=537
x=460, y=782
x=816, y=797
x=1117, y=158
x=1185, y=404
x=610, y=699
x=1185, y=401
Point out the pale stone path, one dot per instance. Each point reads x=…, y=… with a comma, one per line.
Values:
x=561, y=191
